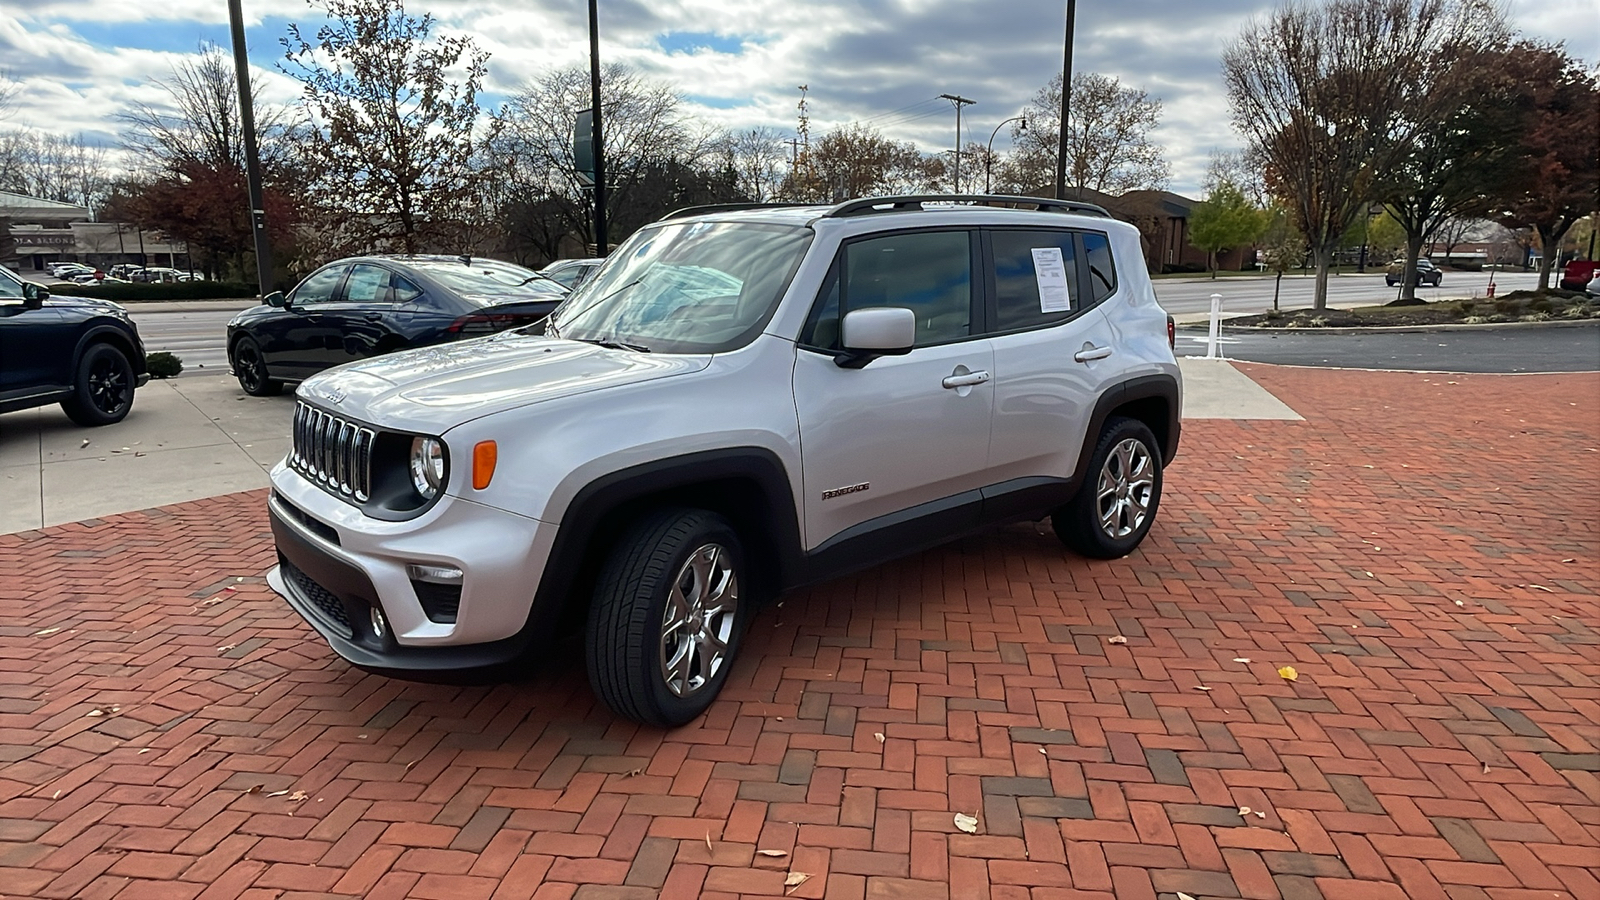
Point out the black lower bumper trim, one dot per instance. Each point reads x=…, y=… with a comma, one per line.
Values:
x=356, y=592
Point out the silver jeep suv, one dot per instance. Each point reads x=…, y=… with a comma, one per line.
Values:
x=741, y=401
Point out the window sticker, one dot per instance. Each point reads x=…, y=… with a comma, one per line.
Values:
x=1051, y=274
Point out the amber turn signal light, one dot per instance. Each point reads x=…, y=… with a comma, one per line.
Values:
x=484, y=456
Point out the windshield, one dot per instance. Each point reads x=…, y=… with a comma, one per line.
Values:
x=487, y=279
x=690, y=287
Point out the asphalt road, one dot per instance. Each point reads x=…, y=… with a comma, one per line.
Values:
x=1549, y=348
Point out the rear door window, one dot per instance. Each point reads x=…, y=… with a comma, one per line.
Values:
x=1035, y=278
x=367, y=284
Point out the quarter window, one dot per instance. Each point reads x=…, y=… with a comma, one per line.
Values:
x=1102, y=271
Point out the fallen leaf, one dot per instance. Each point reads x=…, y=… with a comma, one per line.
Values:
x=47, y=631
x=1461, y=603
x=84, y=444
x=966, y=823
x=1569, y=560
x=278, y=793
x=1485, y=768
x=1540, y=587
x=226, y=647
x=299, y=796
x=1288, y=673
x=1260, y=814
x=878, y=735
x=776, y=854
x=254, y=789
x=1118, y=639
x=1201, y=687
x=708, y=843
x=1183, y=896
x=56, y=796
x=95, y=712
x=795, y=879
x=1044, y=751
x=1244, y=810
x=1241, y=659
x=143, y=750
x=632, y=773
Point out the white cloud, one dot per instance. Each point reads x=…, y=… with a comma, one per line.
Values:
x=861, y=58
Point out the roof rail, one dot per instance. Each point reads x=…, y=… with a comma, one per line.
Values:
x=870, y=205
x=723, y=207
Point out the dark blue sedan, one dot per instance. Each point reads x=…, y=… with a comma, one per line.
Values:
x=369, y=305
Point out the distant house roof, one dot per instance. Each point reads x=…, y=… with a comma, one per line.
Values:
x=22, y=206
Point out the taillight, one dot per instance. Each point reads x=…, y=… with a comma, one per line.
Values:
x=477, y=324
x=1172, y=334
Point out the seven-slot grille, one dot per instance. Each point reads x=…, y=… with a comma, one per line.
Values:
x=333, y=452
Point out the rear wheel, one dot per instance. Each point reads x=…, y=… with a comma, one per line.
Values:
x=250, y=367
x=667, y=617
x=1115, y=507
x=103, y=388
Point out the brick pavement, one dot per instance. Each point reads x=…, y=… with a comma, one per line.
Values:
x=1424, y=549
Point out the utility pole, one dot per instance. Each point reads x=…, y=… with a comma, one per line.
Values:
x=252, y=155
x=1066, y=103
x=959, y=101
x=599, y=144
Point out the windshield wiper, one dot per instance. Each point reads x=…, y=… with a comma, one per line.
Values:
x=615, y=345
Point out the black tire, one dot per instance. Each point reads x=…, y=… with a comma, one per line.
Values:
x=628, y=629
x=1389, y=282
x=250, y=367
x=102, y=389
x=1079, y=522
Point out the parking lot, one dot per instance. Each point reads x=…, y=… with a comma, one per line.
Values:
x=1422, y=549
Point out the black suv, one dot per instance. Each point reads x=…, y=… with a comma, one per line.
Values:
x=82, y=353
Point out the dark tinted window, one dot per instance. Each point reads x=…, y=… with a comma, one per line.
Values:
x=405, y=291
x=320, y=286
x=1035, y=277
x=367, y=284
x=1102, y=272
x=929, y=273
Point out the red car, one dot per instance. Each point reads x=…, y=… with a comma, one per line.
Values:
x=1578, y=273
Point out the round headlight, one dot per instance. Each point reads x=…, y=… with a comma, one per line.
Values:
x=427, y=466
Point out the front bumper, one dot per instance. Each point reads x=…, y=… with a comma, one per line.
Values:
x=335, y=566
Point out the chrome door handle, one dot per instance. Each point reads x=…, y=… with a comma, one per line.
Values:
x=967, y=380
x=1092, y=353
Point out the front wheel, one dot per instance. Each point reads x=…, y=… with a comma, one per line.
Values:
x=1114, y=508
x=250, y=367
x=667, y=617
x=102, y=389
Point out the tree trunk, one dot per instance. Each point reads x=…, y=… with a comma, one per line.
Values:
x=1408, y=283
x=1211, y=260
x=1550, y=248
x=1277, y=284
x=1323, y=257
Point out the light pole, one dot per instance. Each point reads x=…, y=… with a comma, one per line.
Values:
x=252, y=156
x=959, y=102
x=1066, y=103
x=599, y=140
x=988, y=156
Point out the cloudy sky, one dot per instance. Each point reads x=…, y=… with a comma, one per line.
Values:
x=737, y=62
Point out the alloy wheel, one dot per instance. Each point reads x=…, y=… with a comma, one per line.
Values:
x=1126, y=485
x=109, y=386
x=699, y=620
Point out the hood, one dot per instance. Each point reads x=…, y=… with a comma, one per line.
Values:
x=64, y=301
x=433, y=389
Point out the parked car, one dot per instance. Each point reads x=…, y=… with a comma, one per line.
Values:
x=1578, y=273
x=87, y=277
x=157, y=274
x=371, y=305
x=1427, y=273
x=1593, y=287
x=125, y=271
x=571, y=273
x=66, y=271
x=742, y=401
x=82, y=353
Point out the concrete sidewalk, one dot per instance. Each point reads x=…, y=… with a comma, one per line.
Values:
x=200, y=436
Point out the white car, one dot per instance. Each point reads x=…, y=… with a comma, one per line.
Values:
x=1593, y=288
x=741, y=402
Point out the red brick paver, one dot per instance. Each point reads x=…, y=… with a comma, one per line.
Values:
x=1424, y=549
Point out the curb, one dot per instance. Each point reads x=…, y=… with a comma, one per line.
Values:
x=1401, y=329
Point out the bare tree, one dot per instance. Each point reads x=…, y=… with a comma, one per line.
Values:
x=53, y=167
x=396, y=136
x=644, y=129
x=1329, y=93
x=1240, y=168
x=1109, y=144
x=756, y=157
x=857, y=161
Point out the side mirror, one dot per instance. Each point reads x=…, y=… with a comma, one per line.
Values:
x=33, y=296
x=867, y=334
x=276, y=299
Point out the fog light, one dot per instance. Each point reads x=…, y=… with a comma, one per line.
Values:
x=380, y=625
x=434, y=574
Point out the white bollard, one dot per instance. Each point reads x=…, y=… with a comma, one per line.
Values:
x=1213, y=349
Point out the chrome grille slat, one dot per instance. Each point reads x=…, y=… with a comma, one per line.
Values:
x=333, y=452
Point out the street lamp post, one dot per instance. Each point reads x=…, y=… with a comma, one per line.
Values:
x=959, y=102
x=1066, y=102
x=988, y=156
